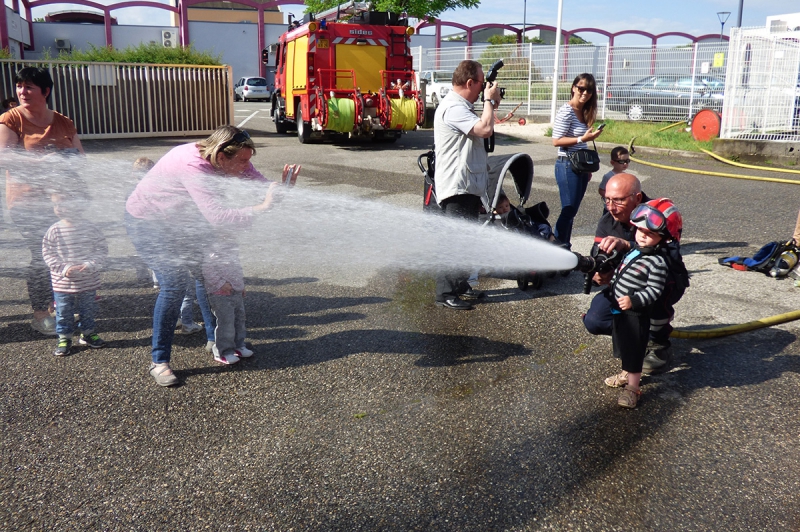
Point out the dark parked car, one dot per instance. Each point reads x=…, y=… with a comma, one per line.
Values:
x=666, y=96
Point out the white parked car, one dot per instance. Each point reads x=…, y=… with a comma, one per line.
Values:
x=251, y=88
x=439, y=83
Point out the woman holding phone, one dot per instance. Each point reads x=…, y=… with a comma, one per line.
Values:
x=177, y=200
x=572, y=129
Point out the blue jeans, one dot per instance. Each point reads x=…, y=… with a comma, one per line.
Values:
x=209, y=321
x=187, y=306
x=171, y=259
x=193, y=288
x=571, y=189
x=67, y=305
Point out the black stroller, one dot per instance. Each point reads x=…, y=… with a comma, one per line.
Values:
x=530, y=221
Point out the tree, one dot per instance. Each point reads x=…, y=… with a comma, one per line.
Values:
x=421, y=9
x=512, y=39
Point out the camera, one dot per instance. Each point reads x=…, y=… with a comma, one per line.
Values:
x=492, y=75
x=488, y=143
x=597, y=262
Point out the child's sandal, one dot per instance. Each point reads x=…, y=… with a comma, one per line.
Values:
x=617, y=381
x=629, y=397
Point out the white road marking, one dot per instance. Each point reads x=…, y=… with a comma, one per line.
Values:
x=243, y=122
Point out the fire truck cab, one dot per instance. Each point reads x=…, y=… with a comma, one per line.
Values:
x=348, y=71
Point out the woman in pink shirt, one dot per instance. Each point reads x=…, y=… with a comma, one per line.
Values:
x=175, y=202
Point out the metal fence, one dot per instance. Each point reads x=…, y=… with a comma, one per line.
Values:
x=635, y=83
x=762, y=93
x=119, y=100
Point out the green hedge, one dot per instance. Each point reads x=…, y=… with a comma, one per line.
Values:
x=152, y=53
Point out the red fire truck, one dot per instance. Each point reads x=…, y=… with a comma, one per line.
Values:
x=346, y=71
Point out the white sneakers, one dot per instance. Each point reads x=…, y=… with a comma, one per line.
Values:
x=226, y=359
x=243, y=352
x=192, y=328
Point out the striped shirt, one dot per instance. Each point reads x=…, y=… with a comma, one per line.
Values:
x=640, y=276
x=77, y=243
x=567, y=124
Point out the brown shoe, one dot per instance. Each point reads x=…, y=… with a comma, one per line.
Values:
x=629, y=397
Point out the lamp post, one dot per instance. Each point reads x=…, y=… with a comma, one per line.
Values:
x=739, y=16
x=723, y=17
x=524, y=14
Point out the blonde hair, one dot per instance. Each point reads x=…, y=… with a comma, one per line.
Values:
x=222, y=141
x=143, y=164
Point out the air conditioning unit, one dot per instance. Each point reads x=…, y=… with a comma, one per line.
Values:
x=63, y=44
x=778, y=26
x=169, y=38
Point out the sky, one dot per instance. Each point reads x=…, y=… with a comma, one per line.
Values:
x=696, y=17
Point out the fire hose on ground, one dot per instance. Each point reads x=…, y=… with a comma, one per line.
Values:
x=718, y=332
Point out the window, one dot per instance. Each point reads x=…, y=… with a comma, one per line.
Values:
x=257, y=82
x=442, y=77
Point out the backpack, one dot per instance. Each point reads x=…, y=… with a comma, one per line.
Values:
x=677, y=274
x=762, y=261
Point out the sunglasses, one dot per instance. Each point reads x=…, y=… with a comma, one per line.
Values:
x=580, y=89
x=622, y=161
x=653, y=219
x=239, y=138
x=616, y=201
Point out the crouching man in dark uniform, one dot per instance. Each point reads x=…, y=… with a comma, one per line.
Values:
x=614, y=231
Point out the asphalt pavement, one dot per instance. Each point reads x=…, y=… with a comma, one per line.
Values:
x=366, y=407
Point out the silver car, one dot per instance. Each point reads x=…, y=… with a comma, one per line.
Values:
x=251, y=88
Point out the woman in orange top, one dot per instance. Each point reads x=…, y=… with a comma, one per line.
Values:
x=34, y=127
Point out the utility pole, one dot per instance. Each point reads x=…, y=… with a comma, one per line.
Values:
x=739, y=17
x=524, y=15
x=556, y=61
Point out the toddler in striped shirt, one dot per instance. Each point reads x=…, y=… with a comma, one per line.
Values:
x=74, y=249
x=637, y=284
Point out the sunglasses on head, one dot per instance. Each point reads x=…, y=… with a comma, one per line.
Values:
x=239, y=138
x=653, y=219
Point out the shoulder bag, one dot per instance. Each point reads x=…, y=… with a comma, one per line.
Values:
x=584, y=161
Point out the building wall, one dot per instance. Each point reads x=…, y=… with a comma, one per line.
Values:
x=233, y=15
x=80, y=36
x=18, y=34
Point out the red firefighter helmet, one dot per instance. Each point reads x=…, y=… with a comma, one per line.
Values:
x=660, y=216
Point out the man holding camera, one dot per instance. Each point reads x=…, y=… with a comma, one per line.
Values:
x=615, y=232
x=462, y=170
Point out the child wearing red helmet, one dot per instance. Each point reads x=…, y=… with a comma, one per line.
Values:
x=636, y=285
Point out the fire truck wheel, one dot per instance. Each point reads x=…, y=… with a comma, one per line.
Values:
x=303, y=128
